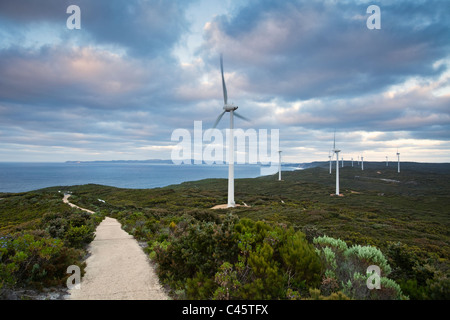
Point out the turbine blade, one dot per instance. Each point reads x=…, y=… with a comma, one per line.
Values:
x=224, y=87
x=239, y=116
x=218, y=119
x=334, y=140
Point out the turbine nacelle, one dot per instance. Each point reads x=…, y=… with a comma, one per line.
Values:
x=229, y=107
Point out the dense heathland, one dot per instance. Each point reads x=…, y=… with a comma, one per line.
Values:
x=285, y=244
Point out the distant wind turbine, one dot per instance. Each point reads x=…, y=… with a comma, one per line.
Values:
x=337, y=163
x=398, y=157
x=362, y=163
x=342, y=161
x=231, y=109
x=352, y=162
x=329, y=157
x=279, y=165
x=387, y=163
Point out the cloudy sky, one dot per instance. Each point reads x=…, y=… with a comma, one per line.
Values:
x=138, y=69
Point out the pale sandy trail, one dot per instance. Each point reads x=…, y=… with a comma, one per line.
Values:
x=117, y=268
x=66, y=200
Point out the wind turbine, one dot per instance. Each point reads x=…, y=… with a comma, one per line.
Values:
x=231, y=108
x=352, y=162
x=398, y=157
x=329, y=157
x=279, y=165
x=337, y=163
x=387, y=163
x=362, y=163
x=342, y=159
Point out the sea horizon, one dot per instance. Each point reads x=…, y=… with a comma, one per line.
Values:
x=16, y=177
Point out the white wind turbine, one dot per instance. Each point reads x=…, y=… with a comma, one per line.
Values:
x=387, y=162
x=337, y=163
x=398, y=157
x=231, y=109
x=329, y=157
x=362, y=163
x=279, y=165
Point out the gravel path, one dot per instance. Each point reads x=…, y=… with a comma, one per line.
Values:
x=117, y=268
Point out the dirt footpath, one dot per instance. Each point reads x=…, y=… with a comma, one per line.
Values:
x=117, y=268
x=66, y=200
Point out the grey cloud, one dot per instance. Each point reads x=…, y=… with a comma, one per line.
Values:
x=277, y=54
x=142, y=28
x=86, y=77
x=304, y=49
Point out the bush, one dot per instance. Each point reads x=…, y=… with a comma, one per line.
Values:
x=266, y=281
x=197, y=247
x=346, y=270
x=78, y=237
x=331, y=242
x=300, y=261
x=421, y=276
x=40, y=257
x=26, y=259
x=200, y=287
x=76, y=229
x=235, y=259
x=368, y=255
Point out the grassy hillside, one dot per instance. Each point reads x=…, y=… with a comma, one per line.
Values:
x=378, y=204
x=405, y=215
x=25, y=210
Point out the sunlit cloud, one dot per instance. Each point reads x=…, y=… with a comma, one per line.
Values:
x=137, y=70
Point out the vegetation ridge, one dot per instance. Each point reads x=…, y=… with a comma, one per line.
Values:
x=275, y=247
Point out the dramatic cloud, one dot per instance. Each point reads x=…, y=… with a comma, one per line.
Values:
x=139, y=69
x=304, y=49
x=146, y=28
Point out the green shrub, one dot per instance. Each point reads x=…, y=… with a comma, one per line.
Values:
x=331, y=242
x=421, y=276
x=300, y=260
x=75, y=228
x=266, y=281
x=227, y=280
x=78, y=237
x=346, y=270
x=236, y=259
x=200, y=287
x=198, y=247
x=315, y=294
x=369, y=255
x=57, y=227
x=26, y=259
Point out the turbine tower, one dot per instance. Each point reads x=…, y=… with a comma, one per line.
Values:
x=342, y=159
x=362, y=163
x=352, y=162
x=231, y=109
x=329, y=157
x=337, y=163
x=387, y=163
x=398, y=157
x=279, y=165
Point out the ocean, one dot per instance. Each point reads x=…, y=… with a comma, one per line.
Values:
x=22, y=177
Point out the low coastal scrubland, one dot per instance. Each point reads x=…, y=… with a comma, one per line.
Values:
x=294, y=240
